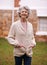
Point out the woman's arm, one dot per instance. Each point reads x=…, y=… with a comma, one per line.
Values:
x=33, y=44
x=11, y=35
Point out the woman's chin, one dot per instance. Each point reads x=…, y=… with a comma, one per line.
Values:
x=23, y=17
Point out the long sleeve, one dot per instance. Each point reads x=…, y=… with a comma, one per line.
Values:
x=11, y=35
x=33, y=38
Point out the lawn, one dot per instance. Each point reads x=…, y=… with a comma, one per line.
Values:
x=6, y=53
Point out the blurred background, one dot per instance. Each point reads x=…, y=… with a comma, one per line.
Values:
x=38, y=16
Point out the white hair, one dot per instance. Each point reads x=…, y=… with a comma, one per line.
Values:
x=24, y=7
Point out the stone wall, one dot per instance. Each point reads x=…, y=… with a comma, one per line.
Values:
x=16, y=3
x=32, y=18
x=5, y=22
x=41, y=38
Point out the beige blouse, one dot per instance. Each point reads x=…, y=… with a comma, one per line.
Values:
x=18, y=35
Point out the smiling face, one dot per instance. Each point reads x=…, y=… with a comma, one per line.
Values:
x=24, y=13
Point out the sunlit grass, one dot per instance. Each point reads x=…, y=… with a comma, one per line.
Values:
x=6, y=53
x=40, y=54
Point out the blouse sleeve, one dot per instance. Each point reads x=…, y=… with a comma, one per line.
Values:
x=11, y=35
x=33, y=38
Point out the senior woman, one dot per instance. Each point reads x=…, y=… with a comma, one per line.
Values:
x=22, y=38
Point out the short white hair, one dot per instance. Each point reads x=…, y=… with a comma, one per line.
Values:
x=23, y=7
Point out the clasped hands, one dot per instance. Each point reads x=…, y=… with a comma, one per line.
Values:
x=21, y=45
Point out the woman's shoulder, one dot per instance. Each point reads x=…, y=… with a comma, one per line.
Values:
x=30, y=24
x=15, y=23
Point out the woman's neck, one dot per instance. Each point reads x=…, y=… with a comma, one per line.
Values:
x=23, y=20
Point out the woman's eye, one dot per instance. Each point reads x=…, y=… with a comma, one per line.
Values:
x=24, y=12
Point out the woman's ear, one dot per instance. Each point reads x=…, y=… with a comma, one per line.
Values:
x=27, y=15
x=19, y=14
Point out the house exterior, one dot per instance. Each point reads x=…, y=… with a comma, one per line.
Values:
x=38, y=18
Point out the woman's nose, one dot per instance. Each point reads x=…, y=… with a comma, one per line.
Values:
x=24, y=12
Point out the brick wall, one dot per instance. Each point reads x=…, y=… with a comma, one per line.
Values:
x=32, y=18
x=16, y=3
x=5, y=22
x=41, y=38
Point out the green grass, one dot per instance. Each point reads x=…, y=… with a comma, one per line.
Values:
x=6, y=53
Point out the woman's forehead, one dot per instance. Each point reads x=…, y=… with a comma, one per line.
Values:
x=24, y=9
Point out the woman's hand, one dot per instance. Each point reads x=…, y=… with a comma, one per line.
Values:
x=31, y=46
x=19, y=46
